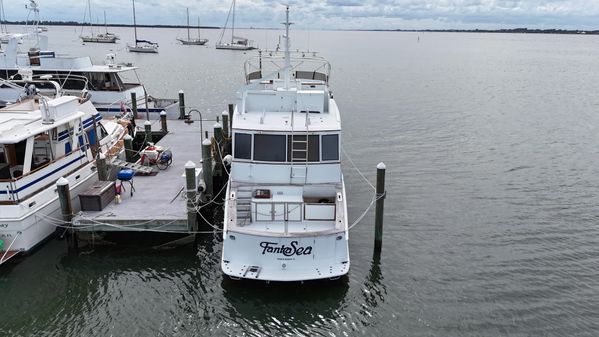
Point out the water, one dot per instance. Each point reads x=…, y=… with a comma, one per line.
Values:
x=490, y=142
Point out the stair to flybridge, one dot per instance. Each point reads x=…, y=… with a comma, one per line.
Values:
x=299, y=155
x=244, y=205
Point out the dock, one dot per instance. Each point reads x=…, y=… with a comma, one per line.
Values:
x=158, y=202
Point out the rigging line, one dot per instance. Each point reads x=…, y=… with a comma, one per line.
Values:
x=356, y=168
x=9, y=246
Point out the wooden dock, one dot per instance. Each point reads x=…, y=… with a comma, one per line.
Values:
x=158, y=201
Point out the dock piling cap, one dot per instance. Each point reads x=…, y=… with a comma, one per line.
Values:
x=62, y=182
x=162, y=113
x=147, y=123
x=381, y=166
x=217, y=126
x=181, y=91
x=128, y=137
x=206, y=142
x=190, y=165
x=225, y=113
x=101, y=156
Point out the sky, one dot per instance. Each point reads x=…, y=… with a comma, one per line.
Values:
x=332, y=14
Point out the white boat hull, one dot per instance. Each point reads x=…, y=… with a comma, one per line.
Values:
x=271, y=258
x=234, y=46
x=29, y=226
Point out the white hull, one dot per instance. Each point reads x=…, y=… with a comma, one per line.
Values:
x=285, y=258
x=37, y=223
x=230, y=46
x=196, y=42
x=99, y=39
x=147, y=50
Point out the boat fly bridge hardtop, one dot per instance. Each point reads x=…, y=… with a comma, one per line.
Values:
x=285, y=211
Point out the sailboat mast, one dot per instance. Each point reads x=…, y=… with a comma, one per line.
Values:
x=105, y=25
x=233, y=24
x=198, y=28
x=188, y=37
x=91, y=25
x=134, y=23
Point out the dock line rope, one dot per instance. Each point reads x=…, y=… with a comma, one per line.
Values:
x=9, y=246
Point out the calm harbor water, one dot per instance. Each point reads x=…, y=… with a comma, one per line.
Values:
x=491, y=223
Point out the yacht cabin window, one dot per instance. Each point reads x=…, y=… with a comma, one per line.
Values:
x=330, y=147
x=243, y=146
x=270, y=147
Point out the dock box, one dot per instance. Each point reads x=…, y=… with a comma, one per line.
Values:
x=98, y=196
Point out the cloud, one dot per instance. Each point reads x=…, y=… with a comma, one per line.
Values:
x=343, y=14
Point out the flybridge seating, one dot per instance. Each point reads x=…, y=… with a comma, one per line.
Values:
x=269, y=65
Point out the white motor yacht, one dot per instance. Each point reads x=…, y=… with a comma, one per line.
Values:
x=285, y=210
x=41, y=140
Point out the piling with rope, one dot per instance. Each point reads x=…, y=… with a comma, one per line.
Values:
x=66, y=208
x=101, y=167
x=227, y=132
x=380, y=205
x=134, y=104
x=207, y=165
x=148, y=132
x=190, y=181
x=129, y=154
x=163, y=125
x=181, y=104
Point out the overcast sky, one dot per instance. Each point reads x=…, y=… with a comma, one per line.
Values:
x=332, y=14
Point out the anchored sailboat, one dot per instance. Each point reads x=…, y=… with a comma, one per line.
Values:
x=189, y=41
x=236, y=43
x=97, y=38
x=141, y=46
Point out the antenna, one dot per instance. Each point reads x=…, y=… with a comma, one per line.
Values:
x=287, y=46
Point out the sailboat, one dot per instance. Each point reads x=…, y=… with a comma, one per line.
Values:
x=236, y=43
x=189, y=41
x=97, y=38
x=141, y=46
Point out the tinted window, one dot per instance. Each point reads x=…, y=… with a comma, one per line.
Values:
x=270, y=147
x=330, y=147
x=243, y=146
x=299, y=147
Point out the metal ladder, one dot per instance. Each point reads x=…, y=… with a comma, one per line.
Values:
x=299, y=153
x=244, y=205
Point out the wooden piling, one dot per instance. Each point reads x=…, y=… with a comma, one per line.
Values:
x=190, y=180
x=207, y=165
x=380, y=205
x=148, y=132
x=66, y=208
x=134, y=104
x=225, y=115
x=128, y=140
x=231, y=111
x=163, y=121
x=101, y=167
x=181, y=104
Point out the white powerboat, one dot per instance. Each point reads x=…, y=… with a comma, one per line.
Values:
x=41, y=140
x=285, y=210
x=110, y=84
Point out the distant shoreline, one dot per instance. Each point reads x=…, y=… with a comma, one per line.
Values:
x=508, y=31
